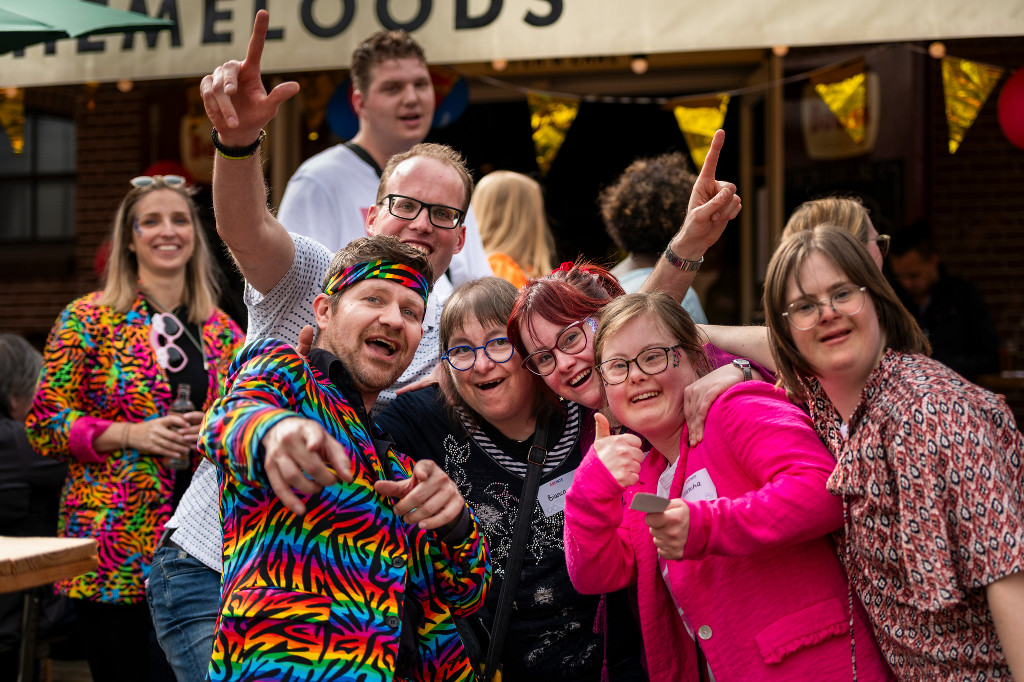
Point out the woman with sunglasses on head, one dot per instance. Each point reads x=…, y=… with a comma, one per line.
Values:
x=928, y=465
x=111, y=369
x=737, y=556
x=481, y=425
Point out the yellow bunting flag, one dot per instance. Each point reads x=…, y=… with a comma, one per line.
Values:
x=966, y=86
x=698, y=120
x=550, y=118
x=843, y=90
x=12, y=116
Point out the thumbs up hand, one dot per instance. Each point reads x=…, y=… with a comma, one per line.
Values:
x=620, y=454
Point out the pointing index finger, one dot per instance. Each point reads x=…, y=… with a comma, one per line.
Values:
x=254, y=53
x=711, y=160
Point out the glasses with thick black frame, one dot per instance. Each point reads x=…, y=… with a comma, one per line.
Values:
x=650, y=361
x=407, y=208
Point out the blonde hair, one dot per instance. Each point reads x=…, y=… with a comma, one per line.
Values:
x=848, y=213
x=509, y=209
x=121, y=275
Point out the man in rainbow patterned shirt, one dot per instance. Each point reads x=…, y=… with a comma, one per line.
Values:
x=343, y=558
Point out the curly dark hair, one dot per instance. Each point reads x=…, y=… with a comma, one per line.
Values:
x=645, y=205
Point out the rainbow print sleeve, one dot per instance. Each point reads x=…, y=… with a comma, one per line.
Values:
x=265, y=381
x=58, y=401
x=462, y=572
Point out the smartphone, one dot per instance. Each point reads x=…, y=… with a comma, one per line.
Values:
x=648, y=503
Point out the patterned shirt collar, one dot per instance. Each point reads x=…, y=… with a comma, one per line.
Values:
x=854, y=471
x=334, y=369
x=819, y=402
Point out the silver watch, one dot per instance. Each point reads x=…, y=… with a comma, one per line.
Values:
x=744, y=365
x=682, y=263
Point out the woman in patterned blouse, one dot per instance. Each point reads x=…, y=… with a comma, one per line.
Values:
x=928, y=465
x=111, y=368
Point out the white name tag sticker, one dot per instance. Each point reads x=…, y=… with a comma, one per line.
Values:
x=551, y=495
x=699, y=487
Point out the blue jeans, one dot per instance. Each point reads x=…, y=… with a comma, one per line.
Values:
x=184, y=598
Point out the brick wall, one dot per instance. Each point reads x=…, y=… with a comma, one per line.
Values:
x=976, y=205
x=976, y=198
x=38, y=281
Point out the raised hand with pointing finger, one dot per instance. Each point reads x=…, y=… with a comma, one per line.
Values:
x=234, y=97
x=239, y=107
x=713, y=203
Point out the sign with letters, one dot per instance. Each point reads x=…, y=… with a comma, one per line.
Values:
x=308, y=35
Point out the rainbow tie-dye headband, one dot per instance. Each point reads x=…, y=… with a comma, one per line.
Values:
x=379, y=269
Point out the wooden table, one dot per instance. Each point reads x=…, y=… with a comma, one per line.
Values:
x=31, y=562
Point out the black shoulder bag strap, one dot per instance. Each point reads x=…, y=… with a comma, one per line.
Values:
x=513, y=568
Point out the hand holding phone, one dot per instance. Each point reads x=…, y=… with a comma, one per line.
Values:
x=648, y=503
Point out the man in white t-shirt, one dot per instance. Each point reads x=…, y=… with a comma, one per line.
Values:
x=330, y=195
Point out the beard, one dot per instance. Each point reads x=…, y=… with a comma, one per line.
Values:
x=369, y=372
x=374, y=378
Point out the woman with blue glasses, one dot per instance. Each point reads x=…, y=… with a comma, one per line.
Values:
x=484, y=424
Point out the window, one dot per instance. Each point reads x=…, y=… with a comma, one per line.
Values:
x=37, y=187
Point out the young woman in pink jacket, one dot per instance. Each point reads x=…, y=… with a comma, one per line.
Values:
x=740, y=560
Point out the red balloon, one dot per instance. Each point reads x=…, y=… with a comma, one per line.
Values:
x=1011, y=109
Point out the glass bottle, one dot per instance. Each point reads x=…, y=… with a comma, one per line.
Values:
x=181, y=405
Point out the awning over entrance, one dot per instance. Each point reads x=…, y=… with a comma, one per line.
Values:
x=320, y=34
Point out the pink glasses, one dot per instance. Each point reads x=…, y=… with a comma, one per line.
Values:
x=165, y=328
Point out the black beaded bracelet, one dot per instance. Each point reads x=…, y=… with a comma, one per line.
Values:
x=237, y=153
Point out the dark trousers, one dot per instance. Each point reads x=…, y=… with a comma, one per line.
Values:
x=119, y=642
